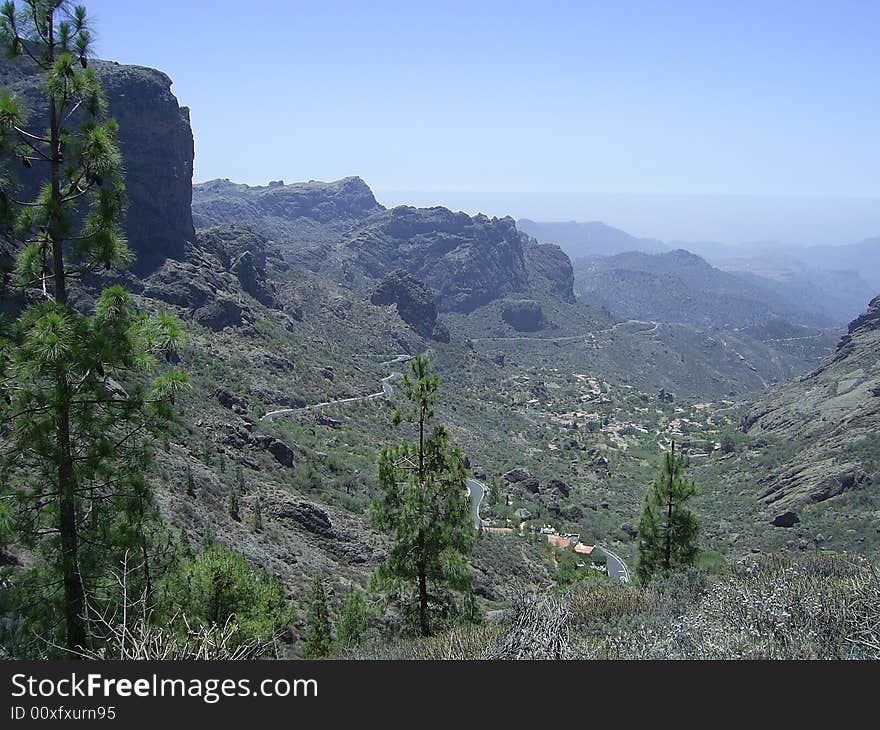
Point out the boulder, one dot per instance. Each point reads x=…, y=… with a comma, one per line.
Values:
x=283, y=454
x=304, y=515
x=219, y=314
x=517, y=475
x=786, y=519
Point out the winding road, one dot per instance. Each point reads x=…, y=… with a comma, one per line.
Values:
x=477, y=491
x=386, y=391
x=616, y=567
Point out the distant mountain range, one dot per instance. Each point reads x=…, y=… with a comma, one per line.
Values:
x=817, y=285
x=684, y=288
x=589, y=239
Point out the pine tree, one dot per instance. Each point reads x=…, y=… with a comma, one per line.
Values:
x=318, y=638
x=352, y=620
x=424, y=507
x=667, y=528
x=76, y=400
x=232, y=503
x=257, y=514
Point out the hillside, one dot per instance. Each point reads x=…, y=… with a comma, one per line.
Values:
x=808, y=470
x=835, y=412
x=681, y=287
x=303, y=297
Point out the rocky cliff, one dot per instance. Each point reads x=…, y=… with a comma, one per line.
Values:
x=468, y=261
x=338, y=228
x=157, y=147
x=414, y=301
x=301, y=218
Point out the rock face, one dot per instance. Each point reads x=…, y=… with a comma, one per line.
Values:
x=303, y=219
x=209, y=283
x=412, y=297
x=247, y=255
x=468, y=261
x=831, y=418
x=157, y=148
x=550, y=270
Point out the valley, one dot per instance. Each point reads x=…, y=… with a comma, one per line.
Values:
x=563, y=381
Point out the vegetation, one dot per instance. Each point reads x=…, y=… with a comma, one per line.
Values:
x=819, y=607
x=667, y=528
x=319, y=642
x=77, y=401
x=351, y=624
x=220, y=587
x=424, y=507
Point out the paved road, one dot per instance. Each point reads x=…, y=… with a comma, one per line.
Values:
x=478, y=491
x=616, y=567
x=386, y=391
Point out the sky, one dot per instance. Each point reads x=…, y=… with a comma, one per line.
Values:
x=678, y=120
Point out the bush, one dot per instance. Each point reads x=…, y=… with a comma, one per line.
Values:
x=220, y=585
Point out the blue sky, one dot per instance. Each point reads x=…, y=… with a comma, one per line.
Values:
x=523, y=105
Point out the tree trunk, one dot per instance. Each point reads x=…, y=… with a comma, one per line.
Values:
x=74, y=601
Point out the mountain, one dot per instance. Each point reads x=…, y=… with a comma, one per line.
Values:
x=681, y=287
x=589, y=239
x=157, y=146
x=339, y=229
x=860, y=262
x=302, y=218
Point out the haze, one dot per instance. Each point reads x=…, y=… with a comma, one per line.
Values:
x=684, y=121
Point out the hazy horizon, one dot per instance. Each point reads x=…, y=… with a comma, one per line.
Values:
x=727, y=219
x=750, y=122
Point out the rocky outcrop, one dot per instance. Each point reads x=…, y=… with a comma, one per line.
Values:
x=868, y=321
x=550, y=270
x=299, y=515
x=412, y=297
x=157, y=148
x=220, y=313
x=303, y=219
x=467, y=261
x=524, y=315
